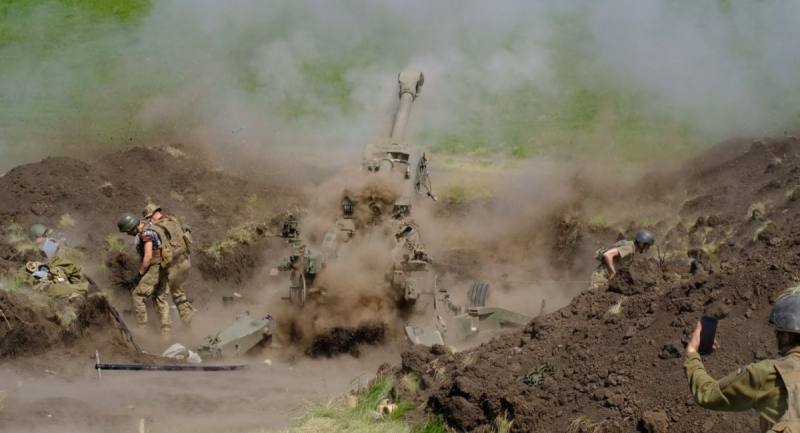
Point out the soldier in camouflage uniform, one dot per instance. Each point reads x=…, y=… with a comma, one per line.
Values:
x=47, y=240
x=150, y=279
x=617, y=254
x=178, y=275
x=770, y=387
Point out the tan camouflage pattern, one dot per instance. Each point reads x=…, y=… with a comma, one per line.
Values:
x=153, y=285
x=599, y=278
x=177, y=280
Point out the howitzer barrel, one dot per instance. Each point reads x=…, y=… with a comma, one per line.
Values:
x=410, y=86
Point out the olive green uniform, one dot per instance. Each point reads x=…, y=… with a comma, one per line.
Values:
x=760, y=386
x=153, y=283
x=64, y=280
x=178, y=273
x=600, y=276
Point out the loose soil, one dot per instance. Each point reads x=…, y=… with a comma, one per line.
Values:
x=734, y=211
x=623, y=372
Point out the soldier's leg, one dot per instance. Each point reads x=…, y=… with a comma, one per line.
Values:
x=178, y=280
x=161, y=298
x=138, y=297
x=143, y=291
x=599, y=278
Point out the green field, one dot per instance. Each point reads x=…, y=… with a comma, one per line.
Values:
x=103, y=74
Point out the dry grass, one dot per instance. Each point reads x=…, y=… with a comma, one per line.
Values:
x=19, y=237
x=410, y=382
x=615, y=308
x=598, y=222
x=469, y=358
x=760, y=229
x=756, y=211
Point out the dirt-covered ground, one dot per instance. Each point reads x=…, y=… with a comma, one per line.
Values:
x=587, y=367
x=732, y=209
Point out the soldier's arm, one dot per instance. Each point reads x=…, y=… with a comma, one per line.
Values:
x=609, y=258
x=148, y=256
x=736, y=392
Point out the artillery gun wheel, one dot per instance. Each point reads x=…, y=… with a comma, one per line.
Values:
x=297, y=291
x=477, y=294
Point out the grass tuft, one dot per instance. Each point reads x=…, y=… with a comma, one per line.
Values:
x=11, y=283
x=116, y=243
x=756, y=211
x=502, y=424
x=790, y=291
x=66, y=221
x=410, y=382
x=581, y=424
x=615, y=308
x=760, y=229
x=598, y=222
x=334, y=415
x=19, y=238
x=648, y=222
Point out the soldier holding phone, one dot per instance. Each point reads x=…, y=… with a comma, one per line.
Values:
x=770, y=387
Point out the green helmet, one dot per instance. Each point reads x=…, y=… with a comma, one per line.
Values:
x=127, y=222
x=37, y=231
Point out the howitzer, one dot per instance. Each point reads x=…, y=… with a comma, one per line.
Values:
x=118, y=323
x=395, y=155
x=465, y=323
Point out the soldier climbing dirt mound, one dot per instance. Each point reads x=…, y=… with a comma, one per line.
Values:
x=619, y=253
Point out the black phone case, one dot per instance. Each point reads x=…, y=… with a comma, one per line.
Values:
x=707, y=335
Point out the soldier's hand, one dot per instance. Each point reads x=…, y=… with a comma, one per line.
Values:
x=694, y=342
x=136, y=279
x=612, y=275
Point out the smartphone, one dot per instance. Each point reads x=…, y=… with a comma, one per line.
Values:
x=707, y=333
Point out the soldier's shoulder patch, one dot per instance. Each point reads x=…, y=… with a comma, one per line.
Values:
x=741, y=369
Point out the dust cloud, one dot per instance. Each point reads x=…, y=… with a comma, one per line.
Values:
x=290, y=79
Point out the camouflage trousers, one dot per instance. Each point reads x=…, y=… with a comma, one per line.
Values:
x=153, y=285
x=177, y=280
x=599, y=278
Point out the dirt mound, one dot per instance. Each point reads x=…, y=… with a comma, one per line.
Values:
x=612, y=360
x=347, y=339
x=30, y=327
x=83, y=199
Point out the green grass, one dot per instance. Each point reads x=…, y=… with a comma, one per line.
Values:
x=334, y=415
x=598, y=222
x=456, y=193
x=116, y=243
x=11, y=283
x=648, y=222
x=19, y=237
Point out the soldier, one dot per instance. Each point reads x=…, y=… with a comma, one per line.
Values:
x=178, y=274
x=150, y=279
x=770, y=387
x=48, y=241
x=620, y=252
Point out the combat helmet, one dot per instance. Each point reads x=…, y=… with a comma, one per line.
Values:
x=127, y=222
x=645, y=237
x=149, y=210
x=38, y=231
x=785, y=315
